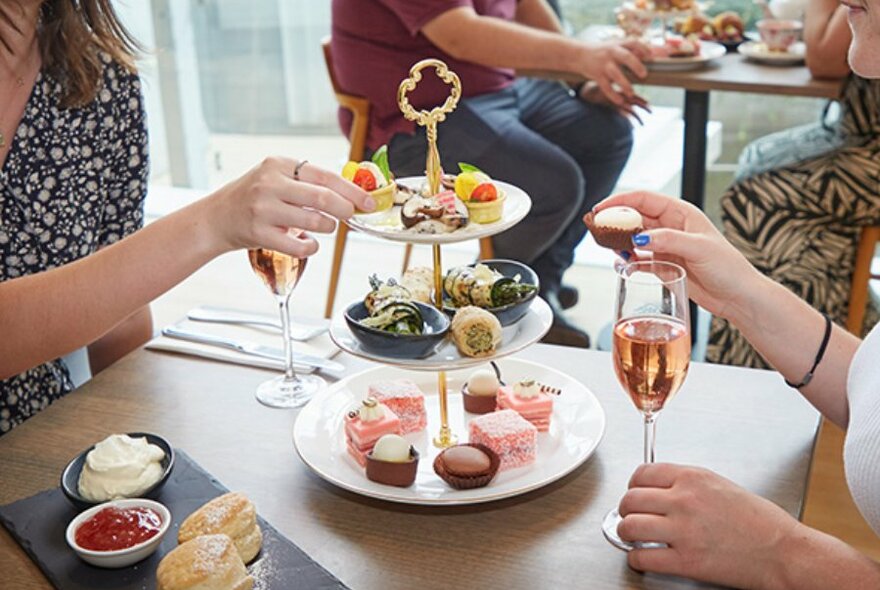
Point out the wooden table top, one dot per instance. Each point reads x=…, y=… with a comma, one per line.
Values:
x=745, y=424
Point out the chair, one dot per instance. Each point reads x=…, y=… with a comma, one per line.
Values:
x=357, y=138
x=858, y=297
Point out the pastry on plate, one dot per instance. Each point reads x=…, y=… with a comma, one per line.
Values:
x=513, y=438
x=475, y=331
x=366, y=425
x=527, y=399
x=207, y=562
x=231, y=514
x=393, y=461
x=405, y=399
x=480, y=392
x=467, y=466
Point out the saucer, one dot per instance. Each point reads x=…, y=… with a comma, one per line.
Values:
x=758, y=52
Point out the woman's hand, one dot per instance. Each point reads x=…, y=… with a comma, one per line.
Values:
x=260, y=208
x=608, y=63
x=720, y=278
x=716, y=531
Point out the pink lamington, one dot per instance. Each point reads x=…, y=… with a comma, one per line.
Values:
x=536, y=410
x=404, y=398
x=511, y=436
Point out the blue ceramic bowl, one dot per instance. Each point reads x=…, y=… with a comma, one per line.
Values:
x=399, y=346
x=512, y=312
x=70, y=475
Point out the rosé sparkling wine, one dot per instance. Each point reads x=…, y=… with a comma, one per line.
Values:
x=280, y=272
x=651, y=358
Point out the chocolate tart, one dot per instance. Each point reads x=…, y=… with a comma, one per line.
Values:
x=390, y=473
x=466, y=470
x=614, y=238
x=478, y=404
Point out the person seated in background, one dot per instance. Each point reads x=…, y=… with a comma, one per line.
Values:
x=75, y=268
x=565, y=148
x=801, y=196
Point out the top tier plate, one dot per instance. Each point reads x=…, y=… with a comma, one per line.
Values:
x=387, y=224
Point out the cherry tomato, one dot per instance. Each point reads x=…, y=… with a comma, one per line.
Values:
x=484, y=192
x=365, y=179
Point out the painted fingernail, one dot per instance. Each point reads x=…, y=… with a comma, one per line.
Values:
x=641, y=239
x=370, y=204
x=625, y=255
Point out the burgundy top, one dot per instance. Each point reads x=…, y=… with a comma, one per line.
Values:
x=375, y=42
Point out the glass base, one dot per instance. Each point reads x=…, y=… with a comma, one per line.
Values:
x=609, y=529
x=282, y=393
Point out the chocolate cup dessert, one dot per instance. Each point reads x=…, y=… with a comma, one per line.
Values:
x=477, y=404
x=389, y=473
x=611, y=237
x=466, y=471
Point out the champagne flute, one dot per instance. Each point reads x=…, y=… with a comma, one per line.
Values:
x=281, y=273
x=651, y=350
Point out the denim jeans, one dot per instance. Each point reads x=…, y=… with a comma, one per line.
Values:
x=565, y=153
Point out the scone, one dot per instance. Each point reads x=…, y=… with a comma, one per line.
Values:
x=231, y=514
x=209, y=562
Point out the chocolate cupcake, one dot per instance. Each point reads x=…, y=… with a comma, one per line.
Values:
x=467, y=466
x=393, y=462
x=614, y=227
x=480, y=392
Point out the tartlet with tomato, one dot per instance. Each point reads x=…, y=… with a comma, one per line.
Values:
x=483, y=198
x=374, y=176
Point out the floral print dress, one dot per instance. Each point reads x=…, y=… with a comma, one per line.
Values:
x=73, y=182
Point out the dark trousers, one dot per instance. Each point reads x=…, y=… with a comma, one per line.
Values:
x=565, y=153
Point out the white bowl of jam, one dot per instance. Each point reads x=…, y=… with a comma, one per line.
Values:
x=118, y=533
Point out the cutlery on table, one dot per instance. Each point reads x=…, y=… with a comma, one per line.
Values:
x=218, y=315
x=251, y=348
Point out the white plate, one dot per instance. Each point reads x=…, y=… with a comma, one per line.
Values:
x=576, y=427
x=757, y=51
x=531, y=328
x=709, y=51
x=387, y=224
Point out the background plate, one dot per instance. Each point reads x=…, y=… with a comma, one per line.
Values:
x=756, y=51
x=709, y=51
x=576, y=428
x=387, y=224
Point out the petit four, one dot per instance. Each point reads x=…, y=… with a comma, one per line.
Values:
x=419, y=281
x=231, y=514
x=467, y=466
x=484, y=287
x=374, y=177
x=614, y=227
x=475, y=331
x=207, y=562
x=393, y=461
x=405, y=399
x=482, y=197
x=528, y=400
x=120, y=467
x=366, y=425
x=480, y=391
x=511, y=436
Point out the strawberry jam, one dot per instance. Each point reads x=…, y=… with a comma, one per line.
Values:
x=112, y=529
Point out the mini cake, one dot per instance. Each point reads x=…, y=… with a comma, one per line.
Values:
x=393, y=461
x=405, y=399
x=468, y=466
x=527, y=400
x=513, y=438
x=614, y=227
x=364, y=426
x=480, y=391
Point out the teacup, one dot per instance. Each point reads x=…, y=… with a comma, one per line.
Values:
x=779, y=34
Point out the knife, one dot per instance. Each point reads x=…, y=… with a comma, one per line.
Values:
x=219, y=315
x=251, y=348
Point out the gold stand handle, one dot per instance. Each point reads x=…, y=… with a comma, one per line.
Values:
x=433, y=172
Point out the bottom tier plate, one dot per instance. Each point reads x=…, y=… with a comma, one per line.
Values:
x=577, y=426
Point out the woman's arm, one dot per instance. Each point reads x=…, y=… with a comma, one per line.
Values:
x=47, y=315
x=781, y=326
x=132, y=332
x=827, y=36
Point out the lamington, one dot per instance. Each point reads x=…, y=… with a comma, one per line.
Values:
x=405, y=399
x=513, y=438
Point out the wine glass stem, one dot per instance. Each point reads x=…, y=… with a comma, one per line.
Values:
x=650, y=436
x=284, y=308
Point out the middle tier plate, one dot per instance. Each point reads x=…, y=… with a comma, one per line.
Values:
x=387, y=224
x=515, y=337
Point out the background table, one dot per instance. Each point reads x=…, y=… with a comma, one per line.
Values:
x=743, y=423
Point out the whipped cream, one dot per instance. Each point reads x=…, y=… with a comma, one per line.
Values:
x=625, y=218
x=392, y=448
x=371, y=410
x=120, y=467
x=483, y=382
x=527, y=389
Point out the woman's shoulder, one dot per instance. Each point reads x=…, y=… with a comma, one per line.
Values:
x=117, y=80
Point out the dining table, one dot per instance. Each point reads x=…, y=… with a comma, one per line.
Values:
x=745, y=424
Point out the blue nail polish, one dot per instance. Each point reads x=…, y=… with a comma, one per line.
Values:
x=626, y=255
x=641, y=239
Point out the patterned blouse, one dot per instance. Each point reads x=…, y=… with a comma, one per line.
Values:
x=74, y=181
